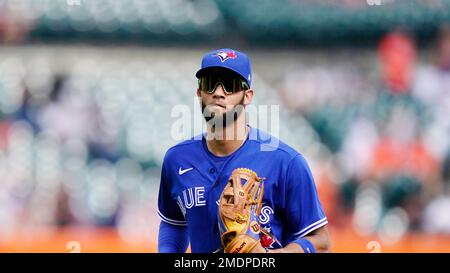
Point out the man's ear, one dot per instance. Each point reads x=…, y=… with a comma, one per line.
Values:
x=248, y=96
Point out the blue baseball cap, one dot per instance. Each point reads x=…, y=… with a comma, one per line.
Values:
x=227, y=58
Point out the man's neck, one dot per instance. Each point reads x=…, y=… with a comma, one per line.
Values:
x=227, y=140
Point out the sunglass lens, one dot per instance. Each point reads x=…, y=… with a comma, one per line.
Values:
x=230, y=84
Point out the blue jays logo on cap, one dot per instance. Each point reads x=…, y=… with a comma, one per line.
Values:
x=229, y=59
x=225, y=55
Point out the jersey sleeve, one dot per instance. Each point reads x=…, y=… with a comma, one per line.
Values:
x=172, y=239
x=303, y=208
x=168, y=209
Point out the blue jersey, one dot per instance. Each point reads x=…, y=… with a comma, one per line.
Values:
x=193, y=178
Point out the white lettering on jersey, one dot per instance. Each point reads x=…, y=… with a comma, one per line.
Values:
x=188, y=203
x=264, y=217
x=180, y=204
x=192, y=197
x=199, y=196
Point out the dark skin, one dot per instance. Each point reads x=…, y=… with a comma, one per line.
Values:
x=319, y=238
x=219, y=102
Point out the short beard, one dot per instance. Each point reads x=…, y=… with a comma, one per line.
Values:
x=226, y=118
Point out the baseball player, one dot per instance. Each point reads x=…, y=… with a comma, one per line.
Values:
x=195, y=173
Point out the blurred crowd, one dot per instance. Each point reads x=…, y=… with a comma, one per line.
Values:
x=83, y=135
x=387, y=130
x=83, y=145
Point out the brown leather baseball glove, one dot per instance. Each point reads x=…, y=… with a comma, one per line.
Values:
x=239, y=208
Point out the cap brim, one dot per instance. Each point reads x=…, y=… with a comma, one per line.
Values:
x=202, y=71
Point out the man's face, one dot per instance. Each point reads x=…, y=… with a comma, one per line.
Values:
x=221, y=107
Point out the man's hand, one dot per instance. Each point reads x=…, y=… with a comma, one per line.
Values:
x=258, y=249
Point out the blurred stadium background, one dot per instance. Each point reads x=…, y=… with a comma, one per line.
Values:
x=87, y=88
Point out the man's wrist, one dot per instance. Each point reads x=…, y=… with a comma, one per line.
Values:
x=306, y=245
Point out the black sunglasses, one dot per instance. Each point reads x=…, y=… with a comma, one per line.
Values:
x=229, y=84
